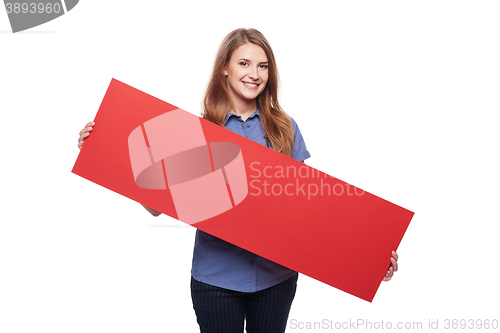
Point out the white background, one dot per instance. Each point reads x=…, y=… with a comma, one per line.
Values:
x=400, y=98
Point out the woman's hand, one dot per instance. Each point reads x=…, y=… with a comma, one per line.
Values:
x=393, y=267
x=84, y=133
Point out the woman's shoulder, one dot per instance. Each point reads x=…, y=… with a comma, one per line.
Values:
x=299, y=151
x=295, y=126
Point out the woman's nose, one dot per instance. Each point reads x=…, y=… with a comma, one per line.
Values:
x=254, y=73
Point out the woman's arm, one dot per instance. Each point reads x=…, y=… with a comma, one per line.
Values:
x=152, y=211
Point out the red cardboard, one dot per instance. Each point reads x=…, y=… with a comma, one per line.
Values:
x=240, y=191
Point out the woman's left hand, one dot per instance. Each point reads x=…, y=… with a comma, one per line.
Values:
x=393, y=267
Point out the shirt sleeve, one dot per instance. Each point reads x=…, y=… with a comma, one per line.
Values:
x=299, y=152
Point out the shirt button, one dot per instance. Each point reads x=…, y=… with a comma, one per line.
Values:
x=251, y=263
x=248, y=125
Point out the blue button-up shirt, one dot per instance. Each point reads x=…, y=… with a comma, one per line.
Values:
x=225, y=265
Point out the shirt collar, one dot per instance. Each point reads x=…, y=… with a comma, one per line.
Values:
x=229, y=114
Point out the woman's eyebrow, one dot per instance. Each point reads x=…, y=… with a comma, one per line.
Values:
x=248, y=60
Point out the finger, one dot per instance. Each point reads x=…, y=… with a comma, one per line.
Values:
x=84, y=133
x=81, y=139
x=388, y=275
x=394, y=264
x=87, y=127
x=85, y=130
x=395, y=255
x=83, y=136
x=390, y=272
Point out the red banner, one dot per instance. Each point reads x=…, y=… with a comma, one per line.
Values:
x=240, y=191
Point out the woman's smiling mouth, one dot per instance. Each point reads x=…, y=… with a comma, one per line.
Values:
x=250, y=85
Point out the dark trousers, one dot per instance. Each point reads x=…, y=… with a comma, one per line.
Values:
x=221, y=310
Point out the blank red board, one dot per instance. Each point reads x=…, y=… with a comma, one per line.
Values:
x=240, y=191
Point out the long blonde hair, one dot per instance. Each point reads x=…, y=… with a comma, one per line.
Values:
x=276, y=124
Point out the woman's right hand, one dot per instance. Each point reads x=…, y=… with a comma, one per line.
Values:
x=84, y=133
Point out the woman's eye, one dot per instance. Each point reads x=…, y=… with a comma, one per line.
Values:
x=264, y=66
x=243, y=63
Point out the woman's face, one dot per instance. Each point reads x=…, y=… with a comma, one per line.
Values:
x=247, y=73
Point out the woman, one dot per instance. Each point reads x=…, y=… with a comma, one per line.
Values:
x=230, y=285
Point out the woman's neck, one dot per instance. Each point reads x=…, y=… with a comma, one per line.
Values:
x=244, y=110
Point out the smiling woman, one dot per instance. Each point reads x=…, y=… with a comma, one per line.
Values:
x=231, y=286
x=244, y=79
